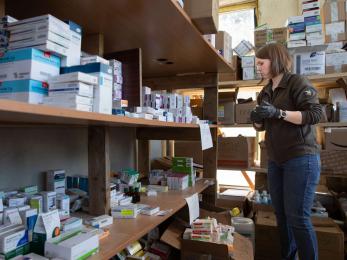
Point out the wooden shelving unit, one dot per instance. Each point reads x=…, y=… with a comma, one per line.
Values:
x=139, y=34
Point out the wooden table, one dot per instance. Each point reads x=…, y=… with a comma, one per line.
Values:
x=125, y=231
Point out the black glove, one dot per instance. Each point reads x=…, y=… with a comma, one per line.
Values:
x=267, y=110
x=255, y=117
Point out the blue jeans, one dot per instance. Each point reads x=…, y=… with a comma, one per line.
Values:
x=292, y=185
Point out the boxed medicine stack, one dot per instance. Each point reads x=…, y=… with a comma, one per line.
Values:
x=72, y=90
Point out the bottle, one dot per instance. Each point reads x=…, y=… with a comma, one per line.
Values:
x=136, y=196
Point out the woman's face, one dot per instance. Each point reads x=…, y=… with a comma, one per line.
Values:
x=263, y=67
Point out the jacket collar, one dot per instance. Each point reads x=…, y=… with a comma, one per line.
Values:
x=282, y=84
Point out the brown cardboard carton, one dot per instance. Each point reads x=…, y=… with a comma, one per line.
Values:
x=336, y=139
x=238, y=152
x=243, y=112
x=189, y=149
x=226, y=108
x=242, y=248
x=236, y=75
x=334, y=11
x=267, y=246
x=262, y=37
x=223, y=45
x=204, y=14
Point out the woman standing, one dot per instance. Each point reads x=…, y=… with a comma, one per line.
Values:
x=288, y=109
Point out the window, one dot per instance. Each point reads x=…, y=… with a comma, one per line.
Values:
x=239, y=24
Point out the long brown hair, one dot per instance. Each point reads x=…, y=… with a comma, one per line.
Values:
x=281, y=61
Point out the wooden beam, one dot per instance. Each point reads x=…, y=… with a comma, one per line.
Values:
x=150, y=133
x=2, y=8
x=203, y=80
x=210, y=106
x=210, y=169
x=143, y=160
x=248, y=180
x=99, y=170
x=93, y=44
x=132, y=74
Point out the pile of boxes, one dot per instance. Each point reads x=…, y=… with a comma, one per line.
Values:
x=249, y=70
x=167, y=107
x=72, y=90
x=306, y=29
x=4, y=33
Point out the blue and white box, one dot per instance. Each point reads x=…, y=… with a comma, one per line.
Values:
x=73, y=56
x=28, y=64
x=30, y=91
x=77, y=88
x=103, y=91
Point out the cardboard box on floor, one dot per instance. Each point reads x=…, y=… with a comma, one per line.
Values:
x=204, y=14
x=267, y=246
x=190, y=249
x=238, y=152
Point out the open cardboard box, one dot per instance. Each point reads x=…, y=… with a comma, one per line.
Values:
x=242, y=248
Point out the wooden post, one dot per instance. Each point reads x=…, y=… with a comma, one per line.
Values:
x=132, y=74
x=210, y=155
x=99, y=170
x=143, y=160
x=93, y=44
x=2, y=8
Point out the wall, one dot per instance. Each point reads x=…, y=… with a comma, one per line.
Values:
x=26, y=152
x=275, y=12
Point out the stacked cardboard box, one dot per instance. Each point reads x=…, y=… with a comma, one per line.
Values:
x=248, y=68
x=265, y=36
x=223, y=45
x=335, y=20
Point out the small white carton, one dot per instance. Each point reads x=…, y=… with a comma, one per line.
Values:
x=73, y=56
x=73, y=77
x=30, y=91
x=55, y=181
x=79, y=246
x=49, y=200
x=100, y=221
x=309, y=63
x=28, y=64
x=93, y=59
x=248, y=73
x=247, y=61
x=77, y=88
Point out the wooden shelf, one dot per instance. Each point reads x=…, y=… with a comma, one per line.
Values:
x=254, y=169
x=160, y=28
x=20, y=113
x=327, y=80
x=333, y=124
x=125, y=231
x=235, y=125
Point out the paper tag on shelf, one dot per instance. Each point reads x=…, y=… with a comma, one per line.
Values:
x=206, y=138
x=193, y=206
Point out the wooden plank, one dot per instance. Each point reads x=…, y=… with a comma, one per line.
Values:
x=189, y=81
x=93, y=44
x=132, y=74
x=167, y=134
x=343, y=84
x=14, y=112
x=143, y=160
x=99, y=170
x=326, y=80
x=161, y=29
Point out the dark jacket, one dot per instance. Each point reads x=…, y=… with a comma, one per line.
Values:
x=285, y=140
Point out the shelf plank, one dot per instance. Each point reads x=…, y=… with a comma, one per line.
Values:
x=333, y=124
x=13, y=112
x=160, y=28
x=253, y=169
x=327, y=80
x=125, y=231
